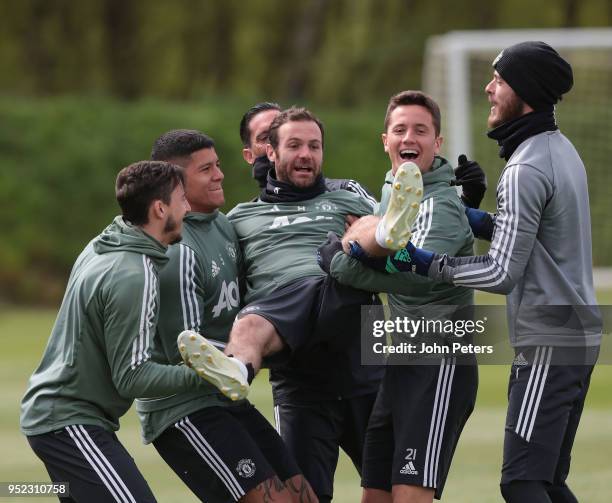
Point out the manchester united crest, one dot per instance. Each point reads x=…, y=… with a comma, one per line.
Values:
x=246, y=468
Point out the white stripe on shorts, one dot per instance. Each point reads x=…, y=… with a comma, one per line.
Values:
x=94, y=456
x=212, y=459
x=438, y=421
x=277, y=419
x=533, y=392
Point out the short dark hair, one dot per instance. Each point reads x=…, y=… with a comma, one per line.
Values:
x=143, y=182
x=415, y=98
x=245, y=122
x=179, y=143
x=289, y=115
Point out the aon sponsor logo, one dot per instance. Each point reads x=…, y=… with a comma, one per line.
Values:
x=229, y=298
x=282, y=221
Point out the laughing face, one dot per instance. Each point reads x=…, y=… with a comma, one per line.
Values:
x=204, y=181
x=505, y=104
x=411, y=136
x=299, y=154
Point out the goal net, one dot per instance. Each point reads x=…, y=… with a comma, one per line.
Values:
x=457, y=66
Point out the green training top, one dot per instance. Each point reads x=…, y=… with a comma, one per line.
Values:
x=98, y=357
x=199, y=291
x=441, y=226
x=279, y=240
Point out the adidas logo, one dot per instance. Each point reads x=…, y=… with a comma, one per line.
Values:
x=520, y=360
x=409, y=469
x=402, y=255
x=215, y=269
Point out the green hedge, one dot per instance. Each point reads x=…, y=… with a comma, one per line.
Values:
x=60, y=156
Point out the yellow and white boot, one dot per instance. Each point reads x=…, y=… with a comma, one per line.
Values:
x=213, y=365
x=394, y=229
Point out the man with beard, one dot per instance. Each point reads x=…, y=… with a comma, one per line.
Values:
x=540, y=257
x=291, y=416
x=306, y=325
x=98, y=358
x=254, y=127
x=222, y=449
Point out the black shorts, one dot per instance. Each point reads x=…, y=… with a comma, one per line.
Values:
x=314, y=432
x=419, y=414
x=96, y=466
x=312, y=311
x=221, y=453
x=545, y=402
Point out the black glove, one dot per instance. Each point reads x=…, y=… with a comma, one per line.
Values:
x=473, y=181
x=327, y=251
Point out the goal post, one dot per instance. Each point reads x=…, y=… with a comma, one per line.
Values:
x=456, y=68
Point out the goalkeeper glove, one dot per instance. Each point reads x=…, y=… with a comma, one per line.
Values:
x=328, y=250
x=409, y=259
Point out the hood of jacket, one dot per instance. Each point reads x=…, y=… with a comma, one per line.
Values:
x=122, y=236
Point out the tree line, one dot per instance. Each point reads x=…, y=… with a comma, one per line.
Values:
x=328, y=51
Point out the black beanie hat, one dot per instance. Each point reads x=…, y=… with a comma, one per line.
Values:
x=536, y=73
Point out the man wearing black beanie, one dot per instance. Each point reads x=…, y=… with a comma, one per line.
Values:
x=541, y=258
x=550, y=199
x=529, y=79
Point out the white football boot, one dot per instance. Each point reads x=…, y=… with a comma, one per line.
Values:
x=403, y=207
x=213, y=365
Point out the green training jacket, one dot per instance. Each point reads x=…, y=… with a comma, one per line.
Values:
x=199, y=291
x=98, y=357
x=279, y=240
x=441, y=226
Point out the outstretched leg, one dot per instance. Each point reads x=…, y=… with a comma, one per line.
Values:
x=253, y=338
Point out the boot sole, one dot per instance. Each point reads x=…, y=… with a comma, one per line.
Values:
x=212, y=365
x=403, y=208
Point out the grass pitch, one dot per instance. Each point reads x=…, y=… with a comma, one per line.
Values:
x=474, y=475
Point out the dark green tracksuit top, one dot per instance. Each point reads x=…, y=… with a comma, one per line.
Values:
x=200, y=291
x=441, y=226
x=98, y=357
